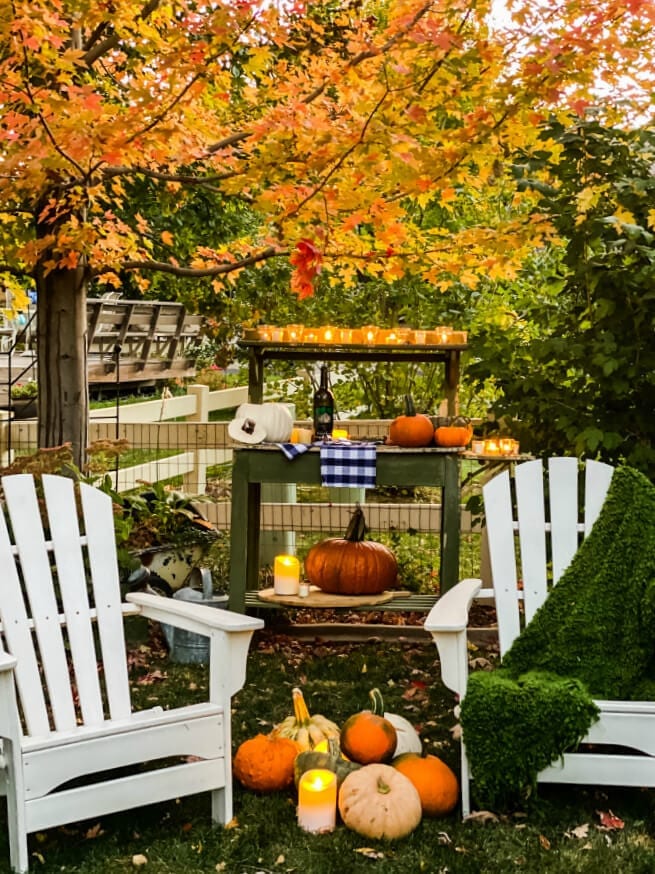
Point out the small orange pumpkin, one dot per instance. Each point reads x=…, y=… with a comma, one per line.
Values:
x=368, y=738
x=412, y=429
x=436, y=784
x=457, y=433
x=265, y=762
x=350, y=565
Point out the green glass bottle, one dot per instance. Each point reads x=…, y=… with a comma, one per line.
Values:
x=323, y=407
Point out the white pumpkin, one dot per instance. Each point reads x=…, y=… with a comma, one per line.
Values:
x=274, y=418
x=374, y=803
x=408, y=739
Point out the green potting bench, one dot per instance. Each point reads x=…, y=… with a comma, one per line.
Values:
x=265, y=463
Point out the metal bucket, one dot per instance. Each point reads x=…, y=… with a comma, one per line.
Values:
x=185, y=647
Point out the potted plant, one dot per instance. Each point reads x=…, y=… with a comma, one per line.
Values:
x=23, y=399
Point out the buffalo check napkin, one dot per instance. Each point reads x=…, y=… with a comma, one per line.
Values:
x=348, y=466
x=293, y=450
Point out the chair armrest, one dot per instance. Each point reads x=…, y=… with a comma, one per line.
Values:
x=191, y=616
x=447, y=622
x=7, y=661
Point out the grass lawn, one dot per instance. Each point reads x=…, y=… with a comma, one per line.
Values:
x=560, y=831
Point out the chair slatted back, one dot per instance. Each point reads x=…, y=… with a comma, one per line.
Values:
x=45, y=611
x=535, y=526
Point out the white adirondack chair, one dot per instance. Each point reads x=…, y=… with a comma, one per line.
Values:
x=65, y=711
x=622, y=724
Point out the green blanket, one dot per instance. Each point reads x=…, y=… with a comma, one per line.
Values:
x=593, y=637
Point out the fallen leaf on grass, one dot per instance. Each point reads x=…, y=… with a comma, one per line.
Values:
x=480, y=816
x=280, y=860
x=94, y=832
x=544, y=842
x=609, y=820
x=370, y=853
x=456, y=731
x=151, y=677
x=444, y=838
x=580, y=831
x=139, y=859
x=233, y=823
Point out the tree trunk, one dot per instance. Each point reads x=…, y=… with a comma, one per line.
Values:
x=63, y=407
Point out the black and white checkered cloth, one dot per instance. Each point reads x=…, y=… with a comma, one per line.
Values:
x=293, y=450
x=348, y=466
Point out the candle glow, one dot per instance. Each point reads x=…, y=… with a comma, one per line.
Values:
x=317, y=800
x=286, y=575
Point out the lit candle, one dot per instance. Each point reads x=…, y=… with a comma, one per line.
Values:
x=369, y=334
x=294, y=333
x=420, y=337
x=506, y=445
x=442, y=333
x=391, y=337
x=286, y=575
x=317, y=800
x=328, y=334
x=345, y=335
x=264, y=332
x=277, y=335
x=491, y=447
x=310, y=335
x=339, y=434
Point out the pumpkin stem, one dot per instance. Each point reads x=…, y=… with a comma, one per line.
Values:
x=383, y=788
x=377, y=702
x=410, y=409
x=357, y=527
x=300, y=707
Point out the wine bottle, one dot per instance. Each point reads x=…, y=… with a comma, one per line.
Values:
x=323, y=407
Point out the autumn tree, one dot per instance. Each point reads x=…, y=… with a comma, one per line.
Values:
x=334, y=128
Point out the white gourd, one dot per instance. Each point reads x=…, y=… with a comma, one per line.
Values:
x=275, y=418
x=374, y=803
x=408, y=739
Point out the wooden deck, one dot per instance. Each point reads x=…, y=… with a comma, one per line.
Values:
x=130, y=342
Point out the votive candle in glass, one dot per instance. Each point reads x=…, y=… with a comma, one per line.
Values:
x=310, y=335
x=294, y=333
x=442, y=334
x=277, y=334
x=345, y=335
x=328, y=334
x=369, y=334
x=420, y=337
x=286, y=575
x=317, y=800
x=491, y=446
x=264, y=332
x=506, y=445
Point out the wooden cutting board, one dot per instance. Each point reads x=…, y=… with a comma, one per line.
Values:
x=317, y=598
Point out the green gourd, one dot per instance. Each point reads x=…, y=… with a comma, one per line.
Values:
x=330, y=760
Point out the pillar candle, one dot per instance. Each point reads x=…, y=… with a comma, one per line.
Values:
x=317, y=800
x=286, y=575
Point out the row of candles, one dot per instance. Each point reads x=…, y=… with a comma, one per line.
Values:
x=495, y=446
x=317, y=788
x=369, y=335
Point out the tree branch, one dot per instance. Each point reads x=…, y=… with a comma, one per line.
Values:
x=101, y=48
x=197, y=272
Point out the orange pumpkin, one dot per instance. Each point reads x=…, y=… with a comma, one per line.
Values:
x=368, y=738
x=436, y=784
x=265, y=762
x=458, y=432
x=350, y=565
x=412, y=429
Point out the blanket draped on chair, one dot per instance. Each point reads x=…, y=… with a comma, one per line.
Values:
x=593, y=637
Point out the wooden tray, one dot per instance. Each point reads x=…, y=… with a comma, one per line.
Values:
x=317, y=598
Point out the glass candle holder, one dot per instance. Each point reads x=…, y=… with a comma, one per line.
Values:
x=459, y=337
x=277, y=335
x=294, y=333
x=345, y=335
x=369, y=334
x=310, y=335
x=506, y=445
x=264, y=332
x=441, y=334
x=419, y=336
x=491, y=446
x=328, y=334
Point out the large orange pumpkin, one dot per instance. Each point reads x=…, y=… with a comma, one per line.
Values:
x=412, y=429
x=458, y=432
x=350, y=565
x=367, y=738
x=436, y=784
x=265, y=762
